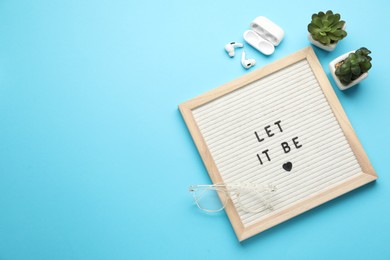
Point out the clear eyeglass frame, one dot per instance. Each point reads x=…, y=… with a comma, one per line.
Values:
x=228, y=191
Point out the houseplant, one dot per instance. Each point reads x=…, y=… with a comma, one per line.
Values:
x=326, y=30
x=351, y=68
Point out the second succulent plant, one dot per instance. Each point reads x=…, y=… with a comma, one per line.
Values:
x=353, y=66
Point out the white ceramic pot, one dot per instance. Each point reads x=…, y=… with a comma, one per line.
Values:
x=332, y=68
x=329, y=47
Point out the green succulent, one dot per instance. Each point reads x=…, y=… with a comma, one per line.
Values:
x=353, y=66
x=326, y=28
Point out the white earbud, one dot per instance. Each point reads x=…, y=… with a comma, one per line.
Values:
x=229, y=48
x=247, y=63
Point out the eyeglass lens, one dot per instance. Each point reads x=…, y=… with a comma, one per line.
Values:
x=252, y=201
x=208, y=200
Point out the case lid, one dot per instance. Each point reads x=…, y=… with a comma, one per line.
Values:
x=268, y=30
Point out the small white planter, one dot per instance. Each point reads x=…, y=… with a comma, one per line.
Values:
x=332, y=68
x=329, y=47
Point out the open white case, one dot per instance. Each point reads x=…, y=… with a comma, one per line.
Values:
x=264, y=35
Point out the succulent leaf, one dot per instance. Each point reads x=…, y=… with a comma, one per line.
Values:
x=363, y=51
x=326, y=23
x=333, y=38
x=338, y=33
x=332, y=19
x=312, y=28
x=355, y=69
x=365, y=66
x=337, y=18
x=324, y=40
x=339, y=24
x=317, y=21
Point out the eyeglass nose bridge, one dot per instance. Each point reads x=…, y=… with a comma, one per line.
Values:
x=191, y=188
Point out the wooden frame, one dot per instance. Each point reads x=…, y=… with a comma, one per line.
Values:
x=364, y=177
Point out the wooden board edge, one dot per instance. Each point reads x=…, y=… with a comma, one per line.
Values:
x=200, y=143
x=340, y=114
x=209, y=163
x=306, y=204
x=246, y=79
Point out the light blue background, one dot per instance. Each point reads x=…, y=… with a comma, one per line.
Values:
x=95, y=159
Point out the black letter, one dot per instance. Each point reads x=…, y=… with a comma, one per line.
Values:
x=266, y=153
x=278, y=124
x=285, y=147
x=268, y=131
x=258, y=138
x=296, y=142
x=258, y=156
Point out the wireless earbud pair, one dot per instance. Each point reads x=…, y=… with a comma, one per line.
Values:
x=246, y=63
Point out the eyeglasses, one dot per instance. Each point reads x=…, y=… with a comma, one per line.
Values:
x=251, y=198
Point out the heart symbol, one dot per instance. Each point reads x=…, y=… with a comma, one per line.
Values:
x=287, y=166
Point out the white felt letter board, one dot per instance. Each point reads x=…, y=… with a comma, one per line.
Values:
x=281, y=124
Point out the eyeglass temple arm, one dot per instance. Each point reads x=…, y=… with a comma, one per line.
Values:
x=218, y=185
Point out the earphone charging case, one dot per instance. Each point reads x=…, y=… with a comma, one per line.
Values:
x=264, y=35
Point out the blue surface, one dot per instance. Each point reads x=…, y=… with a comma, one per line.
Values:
x=95, y=159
